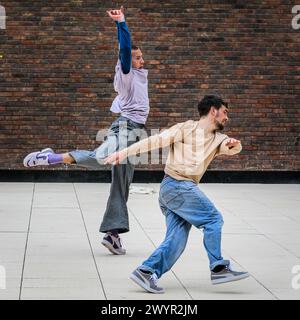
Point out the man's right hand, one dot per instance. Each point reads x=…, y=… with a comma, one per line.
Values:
x=116, y=157
x=117, y=15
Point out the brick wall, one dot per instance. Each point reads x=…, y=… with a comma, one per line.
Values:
x=57, y=64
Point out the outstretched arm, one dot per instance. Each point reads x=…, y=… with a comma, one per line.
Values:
x=124, y=38
x=162, y=140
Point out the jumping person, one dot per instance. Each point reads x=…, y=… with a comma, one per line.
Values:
x=193, y=145
x=131, y=84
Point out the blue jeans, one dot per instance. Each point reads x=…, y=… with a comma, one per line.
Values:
x=185, y=205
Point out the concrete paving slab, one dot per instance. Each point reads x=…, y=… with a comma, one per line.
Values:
x=57, y=195
x=50, y=244
x=16, y=202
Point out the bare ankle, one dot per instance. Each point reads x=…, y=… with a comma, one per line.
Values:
x=67, y=158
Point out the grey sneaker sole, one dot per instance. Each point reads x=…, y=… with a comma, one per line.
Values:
x=110, y=247
x=28, y=157
x=227, y=279
x=143, y=285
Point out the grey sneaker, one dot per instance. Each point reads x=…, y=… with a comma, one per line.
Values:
x=227, y=275
x=113, y=244
x=37, y=158
x=146, y=281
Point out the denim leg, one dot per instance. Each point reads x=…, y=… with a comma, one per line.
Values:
x=92, y=159
x=85, y=158
x=164, y=257
x=212, y=241
x=211, y=220
x=116, y=213
x=120, y=135
x=186, y=200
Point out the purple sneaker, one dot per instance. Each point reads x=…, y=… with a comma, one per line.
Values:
x=113, y=244
x=38, y=158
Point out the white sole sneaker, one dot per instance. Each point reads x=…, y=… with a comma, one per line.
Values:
x=110, y=247
x=230, y=279
x=29, y=157
x=142, y=284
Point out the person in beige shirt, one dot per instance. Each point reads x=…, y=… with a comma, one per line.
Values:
x=192, y=146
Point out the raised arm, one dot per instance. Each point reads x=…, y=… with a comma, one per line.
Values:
x=124, y=38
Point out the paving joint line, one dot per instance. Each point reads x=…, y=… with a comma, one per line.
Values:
x=251, y=275
x=89, y=241
x=26, y=243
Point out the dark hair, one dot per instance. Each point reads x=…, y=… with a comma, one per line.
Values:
x=210, y=101
x=133, y=47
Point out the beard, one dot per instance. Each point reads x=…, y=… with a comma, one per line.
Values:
x=219, y=125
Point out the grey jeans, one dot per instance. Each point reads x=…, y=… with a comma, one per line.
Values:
x=122, y=133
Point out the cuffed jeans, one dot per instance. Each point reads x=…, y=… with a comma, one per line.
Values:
x=122, y=133
x=185, y=205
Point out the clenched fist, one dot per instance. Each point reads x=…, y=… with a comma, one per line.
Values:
x=232, y=143
x=117, y=15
